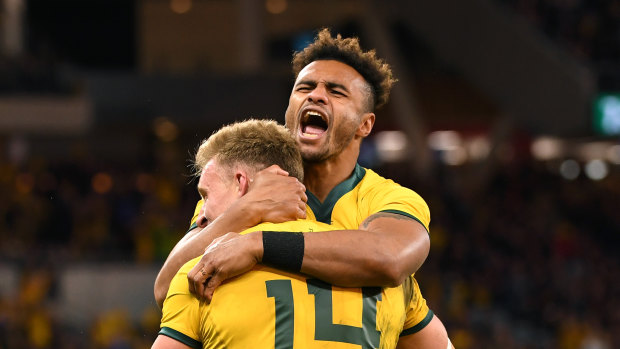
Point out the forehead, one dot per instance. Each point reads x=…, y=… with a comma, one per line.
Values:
x=210, y=173
x=332, y=71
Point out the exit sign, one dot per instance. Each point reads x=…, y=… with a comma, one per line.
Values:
x=606, y=114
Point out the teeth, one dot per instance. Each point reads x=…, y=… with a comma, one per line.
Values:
x=312, y=131
x=312, y=113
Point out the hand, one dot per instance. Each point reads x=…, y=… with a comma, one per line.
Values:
x=276, y=196
x=226, y=257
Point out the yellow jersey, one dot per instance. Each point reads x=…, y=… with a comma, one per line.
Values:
x=269, y=308
x=363, y=194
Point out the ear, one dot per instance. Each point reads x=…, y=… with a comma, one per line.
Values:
x=243, y=182
x=368, y=121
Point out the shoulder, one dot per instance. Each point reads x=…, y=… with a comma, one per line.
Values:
x=373, y=183
x=179, y=283
x=300, y=225
x=380, y=194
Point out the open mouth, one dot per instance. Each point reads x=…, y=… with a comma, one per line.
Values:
x=313, y=124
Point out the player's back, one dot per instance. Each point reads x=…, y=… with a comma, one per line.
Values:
x=268, y=308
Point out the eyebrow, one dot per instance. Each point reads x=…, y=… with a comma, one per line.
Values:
x=200, y=192
x=330, y=85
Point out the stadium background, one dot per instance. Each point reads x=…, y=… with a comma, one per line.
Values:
x=503, y=120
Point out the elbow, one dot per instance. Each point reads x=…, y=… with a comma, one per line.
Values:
x=397, y=267
x=394, y=273
x=388, y=270
x=160, y=294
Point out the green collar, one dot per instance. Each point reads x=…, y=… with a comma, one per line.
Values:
x=323, y=211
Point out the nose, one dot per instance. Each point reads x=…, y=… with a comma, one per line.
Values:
x=318, y=95
x=201, y=220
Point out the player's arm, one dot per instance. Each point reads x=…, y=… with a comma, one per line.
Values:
x=181, y=314
x=273, y=197
x=165, y=342
x=433, y=336
x=190, y=246
x=385, y=250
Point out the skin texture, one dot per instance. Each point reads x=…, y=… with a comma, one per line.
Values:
x=338, y=92
x=214, y=188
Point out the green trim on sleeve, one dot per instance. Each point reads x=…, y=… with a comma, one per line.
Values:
x=420, y=325
x=192, y=227
x=176, y=335
x=406, y=215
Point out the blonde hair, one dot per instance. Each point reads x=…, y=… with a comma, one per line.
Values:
x=254, y=143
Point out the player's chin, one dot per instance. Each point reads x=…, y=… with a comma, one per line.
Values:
x=313, y=155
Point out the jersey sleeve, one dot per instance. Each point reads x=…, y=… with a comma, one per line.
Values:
x=418, y=313
x=181, y=311
x=394, y=198
x=193, y=224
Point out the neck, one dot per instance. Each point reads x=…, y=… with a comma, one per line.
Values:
x=321, y=177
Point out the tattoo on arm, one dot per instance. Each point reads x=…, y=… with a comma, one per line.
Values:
x=367, y=221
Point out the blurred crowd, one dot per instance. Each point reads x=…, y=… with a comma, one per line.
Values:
x=520, y=259
x=590, y=30
x=77, y=208
x=526, y=260
x=80, y=207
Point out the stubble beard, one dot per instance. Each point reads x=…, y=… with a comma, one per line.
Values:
x=341, y=140
x=316, y=156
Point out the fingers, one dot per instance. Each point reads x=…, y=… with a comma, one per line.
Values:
x=197, y=279
x=190, y=282
x=211, y=285
x=301, y=213
x=227, y=256
x=275, y=169
x=303, y=195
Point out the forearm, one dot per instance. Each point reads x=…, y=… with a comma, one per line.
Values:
x=192, y=245
x=356, y=258
x=387, y=251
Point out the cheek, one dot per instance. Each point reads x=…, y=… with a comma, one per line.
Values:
x=348, y=124
x=288, y=121
x=206, y=211
x=289, y=117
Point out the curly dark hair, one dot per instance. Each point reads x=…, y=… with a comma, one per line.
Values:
x=375, y=71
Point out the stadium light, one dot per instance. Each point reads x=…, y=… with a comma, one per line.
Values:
x=606, y=114
x=596, y=170
x=391, y=145
x=444, y=140
x=547, y=148
x=613, y=154
x=569, y=169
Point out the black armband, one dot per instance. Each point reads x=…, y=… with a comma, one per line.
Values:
x=283, y=250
